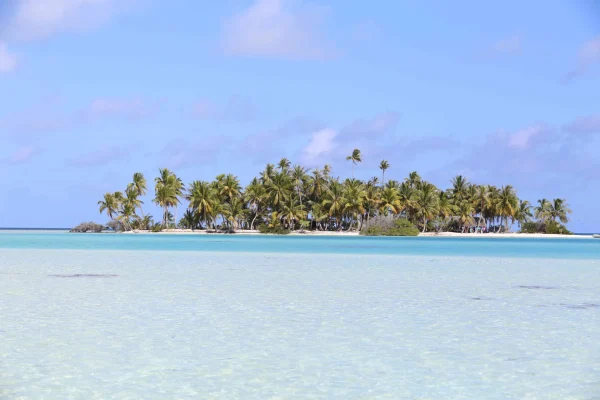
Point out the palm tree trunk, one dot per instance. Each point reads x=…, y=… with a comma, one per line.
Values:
x=424, y=224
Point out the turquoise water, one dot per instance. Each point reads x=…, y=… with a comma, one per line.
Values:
x=224, y=317
x=443, y=246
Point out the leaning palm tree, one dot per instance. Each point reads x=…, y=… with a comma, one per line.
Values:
x=109, y=204
x=140, y=185
x=356, y=158
x=383, y=166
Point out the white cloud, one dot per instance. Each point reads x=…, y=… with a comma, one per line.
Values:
x=522, y=139
x=36, y=19
x=321, y=144
x=8, y=61
x=269, y=28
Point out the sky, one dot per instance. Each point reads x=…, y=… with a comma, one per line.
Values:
x=95, y=90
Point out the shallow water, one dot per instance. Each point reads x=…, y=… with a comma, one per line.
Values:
x=572, y=248
x=142, y=324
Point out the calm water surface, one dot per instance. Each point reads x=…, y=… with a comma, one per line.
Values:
x=222, y=317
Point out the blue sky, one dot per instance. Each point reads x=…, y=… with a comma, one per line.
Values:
x=95, y=90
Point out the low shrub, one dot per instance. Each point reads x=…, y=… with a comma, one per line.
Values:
x=273, y=230
x=389, y=226
x=115, y=225
x=157, y=228
x=555, y=228
x=532, y=227
x=549, y=227
x=88, y=227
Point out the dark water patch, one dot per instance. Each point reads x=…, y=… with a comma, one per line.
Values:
x=583, y=306
x=84, y=276
x=537, y=287
x=481, y=298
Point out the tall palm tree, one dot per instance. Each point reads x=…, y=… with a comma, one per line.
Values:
x=140, y=185
x=460, y=186
x=201, y=197
x=507, y=204
x=355, y=157
x=284, y=165
x=427, y=203
x=383, y=166
x=334, y=202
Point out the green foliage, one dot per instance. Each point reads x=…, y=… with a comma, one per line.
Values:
x=88, y=227
x=550, y=227
x=115, y=225
x=157, y=228
x=273, y=230
x=532, y=227
x=389, y=226
x=556, y=228
x=288, y=197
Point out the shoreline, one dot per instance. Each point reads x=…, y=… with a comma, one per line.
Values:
x=356, y=234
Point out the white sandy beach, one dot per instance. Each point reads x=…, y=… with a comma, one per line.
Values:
x=355, y=233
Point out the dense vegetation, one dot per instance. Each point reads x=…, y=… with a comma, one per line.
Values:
x=285, y=197
x=88, y=227
x=388, y=226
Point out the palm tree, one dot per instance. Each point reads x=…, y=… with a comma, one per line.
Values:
x=445, y=206
x=256, y=195
x=284, y=165
x=109, y=204
x=334, y=202
x=383, y=166
x=559, y=209
x=202, y=198
x=542, y=210
x=460, y=185
x=139, y=183
x=427, y=203
x=507, y=204
x=354, y=201
x=292, y=211
x=464, y=211
x=355, y=157
x=523, y=213
x=280, y=188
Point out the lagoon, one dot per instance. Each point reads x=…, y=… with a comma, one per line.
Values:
x=226, y=317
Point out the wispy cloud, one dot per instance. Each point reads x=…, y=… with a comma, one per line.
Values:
x=8, y=61
x=588, y=58
x=506, y=46
x=22, y=155
x=102, y=156
x=272, y=28
x=50, y=116
x=584, y=125
x=509, y=45
x=35, y=19
x=181, y=152
x=235, y=109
